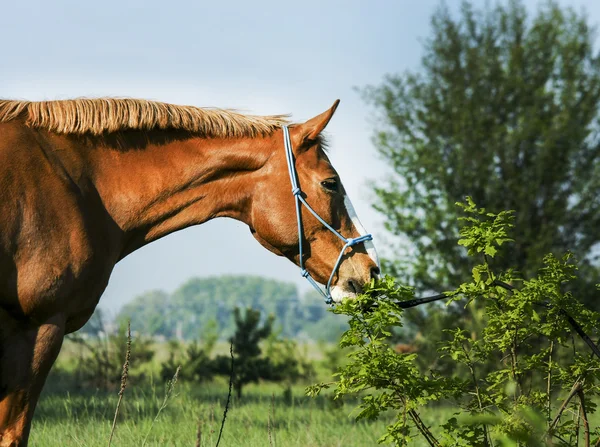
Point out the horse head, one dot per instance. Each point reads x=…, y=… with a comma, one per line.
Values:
x=311, y=220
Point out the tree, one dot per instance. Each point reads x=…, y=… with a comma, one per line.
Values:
x=525, y=378
x=100, y=362
x=200, y=302
x=95, y=326
x=195, y=362
x=288, y=363
x=504, y=108
x=250, y=366
x=149, y=314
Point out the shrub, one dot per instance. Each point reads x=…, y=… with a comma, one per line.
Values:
x=523, y=371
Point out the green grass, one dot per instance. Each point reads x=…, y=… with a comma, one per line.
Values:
x=69, y=416
x=84, y=419
x=66, y=419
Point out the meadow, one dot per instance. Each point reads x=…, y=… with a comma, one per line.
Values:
x=269, y=414
x=71, y=415
x=263, y=417
x=194, y=413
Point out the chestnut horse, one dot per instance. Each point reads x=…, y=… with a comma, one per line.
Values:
x=85, y=182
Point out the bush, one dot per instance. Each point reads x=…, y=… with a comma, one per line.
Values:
x=100, y=362
x=516, y=368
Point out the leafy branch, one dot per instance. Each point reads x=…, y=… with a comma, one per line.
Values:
x=515, y=363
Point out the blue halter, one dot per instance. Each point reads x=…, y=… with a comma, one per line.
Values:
x=299, y=199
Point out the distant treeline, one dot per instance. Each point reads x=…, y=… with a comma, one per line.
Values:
x=202, y=302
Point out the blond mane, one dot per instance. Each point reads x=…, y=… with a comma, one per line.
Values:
x=109, y=115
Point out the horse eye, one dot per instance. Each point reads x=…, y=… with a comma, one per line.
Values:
x=330, y=184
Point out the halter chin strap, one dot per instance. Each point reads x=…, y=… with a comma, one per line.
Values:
x=299, y=199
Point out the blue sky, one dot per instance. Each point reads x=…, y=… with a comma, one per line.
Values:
x=261, y=57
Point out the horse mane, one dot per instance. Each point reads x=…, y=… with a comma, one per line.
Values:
x=103, y=116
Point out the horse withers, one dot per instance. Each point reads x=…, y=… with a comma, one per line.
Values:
x=85, y=182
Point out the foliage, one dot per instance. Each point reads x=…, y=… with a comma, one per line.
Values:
x=150, y=314
x=200, y=302
x=527, y=336
x=195, y=360
x=504, y=108
x=281, y=362
x=250, y=366
x=100, y=362
x=95, y=326
x=288, y=363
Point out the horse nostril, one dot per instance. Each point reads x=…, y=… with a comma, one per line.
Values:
x=354, y=287
x=375, y=272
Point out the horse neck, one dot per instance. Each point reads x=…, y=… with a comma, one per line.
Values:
x=161, y=188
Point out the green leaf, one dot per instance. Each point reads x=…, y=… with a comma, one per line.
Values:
x=490, y=250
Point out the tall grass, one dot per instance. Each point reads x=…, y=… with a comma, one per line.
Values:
x=68, y=416
x=66, y=419
x=124, y=377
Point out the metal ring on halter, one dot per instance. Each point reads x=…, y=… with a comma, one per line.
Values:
x=298, y=199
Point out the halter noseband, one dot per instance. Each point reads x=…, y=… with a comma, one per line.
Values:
x=299, y=199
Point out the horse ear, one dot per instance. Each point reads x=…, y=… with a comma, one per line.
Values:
x=310, y=130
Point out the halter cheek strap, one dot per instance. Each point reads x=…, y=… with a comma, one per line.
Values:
x=299, y=199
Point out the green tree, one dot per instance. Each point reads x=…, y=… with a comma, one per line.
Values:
x=250, y=365
x=194, y=358
x=95, y=326
x=149, y=314
x=100, y=362
x=504, y=108
x=201, y=301
x=524, y=378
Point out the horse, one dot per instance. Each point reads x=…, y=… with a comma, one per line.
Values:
x=85, y=182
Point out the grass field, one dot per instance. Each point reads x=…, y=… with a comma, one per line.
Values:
x=262, y=418
x=70, y=416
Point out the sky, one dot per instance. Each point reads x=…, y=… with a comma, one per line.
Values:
x=262, y=57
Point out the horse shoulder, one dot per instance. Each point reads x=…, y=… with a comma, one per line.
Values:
x=57, y=245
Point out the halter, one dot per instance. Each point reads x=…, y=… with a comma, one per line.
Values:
x=299, y=199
